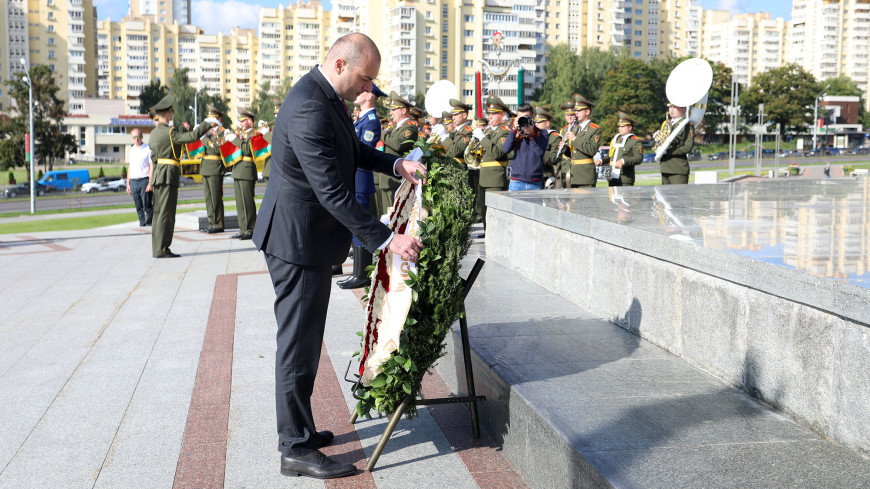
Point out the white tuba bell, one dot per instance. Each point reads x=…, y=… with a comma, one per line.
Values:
x=437, y=100
x=687, y=86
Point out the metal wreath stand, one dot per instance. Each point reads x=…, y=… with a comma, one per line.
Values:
x=472, y=399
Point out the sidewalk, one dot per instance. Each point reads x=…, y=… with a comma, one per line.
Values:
x=121, y=371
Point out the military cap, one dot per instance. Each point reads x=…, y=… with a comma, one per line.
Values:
x=165, y=103
x=397, y=102
x=415, y=112
x=568, y=106
x=481, y=121
x=446, y=116
x=624, y=119
x=580, y=103
x=214, y=111
x=245, y=113
x=458, y=106
x=495, y=105
x=277, y=103
x=542, y=115
x=377, y=91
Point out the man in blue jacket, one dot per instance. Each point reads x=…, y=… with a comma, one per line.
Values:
x=527, y=168
x=368, y=130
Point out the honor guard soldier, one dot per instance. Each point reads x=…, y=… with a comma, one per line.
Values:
x=584, y=145
x=244, y=173
x=675, y=162
x=167, y=147
x=458, y=139
x=493, y=161
x=267, y=135
x=213, y=170
x=626, y=151
x=368, y=131
x=543, y=120
x=564, y=167
x=399, y=139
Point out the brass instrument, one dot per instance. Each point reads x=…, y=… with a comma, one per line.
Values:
x=662, y=134
x=688, y=86
x=473, y=153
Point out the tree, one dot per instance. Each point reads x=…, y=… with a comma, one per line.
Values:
x=845, y=86
x=50, y=143
x=185, y=95
x=718, y=99
x=151, y=94
x=12, y=144
x=631, y=87
x=264, y=104
x=788, y=94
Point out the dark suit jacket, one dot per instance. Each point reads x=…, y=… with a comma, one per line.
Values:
x=309, y=211
x=368, y=130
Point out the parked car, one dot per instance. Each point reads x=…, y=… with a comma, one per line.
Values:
x=861, y=151
x=694, y=156
x=649, y=157
x=768, y=153
x=104, y=184
x=185, y=181
x=788, y=153
x=23, y=189
x=834, y=151
x=66, y=179
x=720, y=155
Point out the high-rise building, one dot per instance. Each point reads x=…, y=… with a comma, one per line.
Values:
x=162, y=11
x=831, y=38
x=292, y=41
x=55, y=33
x=748, y=43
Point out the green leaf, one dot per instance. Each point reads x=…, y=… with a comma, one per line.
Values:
x=379, y=381
x=407, y=388
x=399, y=359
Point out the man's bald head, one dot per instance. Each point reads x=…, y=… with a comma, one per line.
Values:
x=354, y=49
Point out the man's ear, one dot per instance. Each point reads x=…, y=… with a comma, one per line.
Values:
x=340, y=65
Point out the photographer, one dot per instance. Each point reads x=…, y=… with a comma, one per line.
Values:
x=528, y=145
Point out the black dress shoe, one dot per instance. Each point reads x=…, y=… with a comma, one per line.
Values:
x=315, y=464
x=236, y=236
x=246, y=236
x=337, y=270
x=319, y=440
x=214, y=230
x=170, y=254
x=354, y=282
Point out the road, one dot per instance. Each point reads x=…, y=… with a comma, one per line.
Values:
x=78, y=200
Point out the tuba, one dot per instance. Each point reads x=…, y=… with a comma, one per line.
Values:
x=437, y=100
x=687, y=86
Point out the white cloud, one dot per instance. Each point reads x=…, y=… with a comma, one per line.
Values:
x=215, y=16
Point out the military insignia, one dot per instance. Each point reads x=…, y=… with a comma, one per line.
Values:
x=502, y=140
x=407, y=133
x=368, y=136
x=596, y=138
x=372, y=117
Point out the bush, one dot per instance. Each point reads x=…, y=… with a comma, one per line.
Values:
x=794, y=171
x=102, y=174
x=12, y=178
x=124, y=172
x=40, y=175
x=847, y=170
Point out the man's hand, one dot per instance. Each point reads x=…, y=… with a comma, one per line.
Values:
x=478, y=134
x=406, y=246
x=570, y=135
x=129, y=192
x=408, y=169
x=264, y=130
x=149, y=188
x=213, y=121
x=230, y=137
x=619, y=163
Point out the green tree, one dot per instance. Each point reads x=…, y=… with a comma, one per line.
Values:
x=264, y=103
x=151, y=94
x=845, y=86
x=50, y=143
x=629, y=88
x=788, y=94
x=186, y=96
x=12, y=144
x=718, y=100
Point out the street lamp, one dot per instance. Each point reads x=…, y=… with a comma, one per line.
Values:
x=816, y=114
x=29, y=82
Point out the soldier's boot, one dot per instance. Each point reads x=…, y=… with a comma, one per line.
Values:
x=361, y=259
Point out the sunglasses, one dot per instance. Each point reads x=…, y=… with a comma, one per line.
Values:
x=137, y=137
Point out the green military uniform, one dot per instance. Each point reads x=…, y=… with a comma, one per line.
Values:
x=494, y=160
x=564, y=164
x=398, y=140
x=627, y=148
x=457, y=140
x=675, y=162
x=167, y=146
x=584, y=148
x=268, y=138
x=244, y=178
x=213, y=170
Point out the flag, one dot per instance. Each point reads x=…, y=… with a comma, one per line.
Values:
x=231, y=154
x=195, y=149
x=261, y=148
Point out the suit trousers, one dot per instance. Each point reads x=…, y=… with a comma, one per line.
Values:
x=301, y=301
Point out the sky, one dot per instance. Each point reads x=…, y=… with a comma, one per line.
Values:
x=222, y=15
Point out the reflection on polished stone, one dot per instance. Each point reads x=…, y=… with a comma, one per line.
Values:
x=821, y=227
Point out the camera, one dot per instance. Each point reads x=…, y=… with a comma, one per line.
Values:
x=524, y=121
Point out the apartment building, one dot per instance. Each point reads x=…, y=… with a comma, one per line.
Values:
x=292, y=41
x=162, y=11
x=831, y=38
x=748, y=43
x=55, y=33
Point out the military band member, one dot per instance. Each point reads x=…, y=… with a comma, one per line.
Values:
x=167, y=147
x=675, y=162
x=268, y=136
x=626, y=151
x=213, y=170
x=494, y=160
x=457, y=140
x=564, y=168
x=543, y=119
x=447, y=117
x=584, y=145
x=245, y=176
x=399, y=139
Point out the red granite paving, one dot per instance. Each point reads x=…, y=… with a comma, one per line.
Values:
x=31, y=241
x=202, y=461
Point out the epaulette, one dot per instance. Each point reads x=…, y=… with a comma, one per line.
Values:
x=593, y=125
x=563, y=128
x=505, y=127
x=467, y=128
x=635, y=137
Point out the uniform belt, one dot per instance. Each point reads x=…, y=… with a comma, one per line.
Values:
x=167, y=161
x=487, y=164
x=211, y=157
x=584, y=161
x=247, y=158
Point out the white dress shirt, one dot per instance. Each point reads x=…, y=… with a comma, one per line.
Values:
x=139, y=158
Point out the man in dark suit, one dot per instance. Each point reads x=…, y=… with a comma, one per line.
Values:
x=305, y=225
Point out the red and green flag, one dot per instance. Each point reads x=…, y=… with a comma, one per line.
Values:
x=231, y=154
x=195, y=149
x=261, y=148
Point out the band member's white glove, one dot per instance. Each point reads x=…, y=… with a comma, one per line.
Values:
x=230, y=137
x=264, y=130
x=212, y=120
x=262, y=123
x=597, y=158
x=478, y=134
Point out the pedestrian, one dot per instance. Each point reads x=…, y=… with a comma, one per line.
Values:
x=138, y=178
x=827, y=169
x=305, y=224
x=528, y=145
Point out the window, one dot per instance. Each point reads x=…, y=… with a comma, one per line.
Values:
x=468, y=48
x=50, y=15
x=50, y=27
x=428, y=30
x=51, y=55
x=51, y=41
x=469, y=33
x=467, y=93
x=468, y=63
x=469, y=18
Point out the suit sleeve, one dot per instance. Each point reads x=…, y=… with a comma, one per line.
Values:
x=314, y=145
